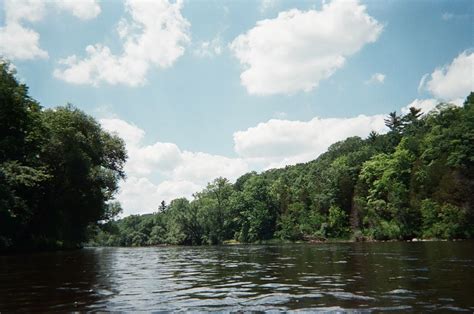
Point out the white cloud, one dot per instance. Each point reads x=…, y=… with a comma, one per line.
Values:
x=17, y=41
x=426, y=105
x=202, y=167
x=297, y=49
x=159, y=157
x=17, y=11
x=376, y=78
x=83, y=9
x=208, y=49
x=422, y=83
x=429, y=104
x=131, y=134
x=184, y=172
x=143, y=159
x=452, y=81
x=138, y=195
x=22, y=43
x=281, y=142
x=155, y=34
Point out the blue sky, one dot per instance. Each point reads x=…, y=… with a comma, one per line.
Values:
x=224, y=87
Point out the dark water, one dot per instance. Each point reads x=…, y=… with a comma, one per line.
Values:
x=360, y=277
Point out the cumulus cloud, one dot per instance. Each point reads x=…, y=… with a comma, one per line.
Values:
x=281, y=142
x=202, y=167
x=84, y=9
x=184, y=172
x=425, y=105
x=154, y=35
x=18, y=42
x=138, y=195
x=429, y=104
x=297, y=49
x=131, y=134
x=376, y=78
x=452, y=81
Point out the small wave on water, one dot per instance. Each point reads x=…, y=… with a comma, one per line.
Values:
x=399, y=291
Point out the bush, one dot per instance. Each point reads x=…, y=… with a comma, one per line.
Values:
x=444, y=221
x=337, y=222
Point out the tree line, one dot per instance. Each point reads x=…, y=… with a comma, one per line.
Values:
x=416, y=181
x=59, y=171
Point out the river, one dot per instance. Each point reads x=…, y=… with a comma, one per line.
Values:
x=417, y=277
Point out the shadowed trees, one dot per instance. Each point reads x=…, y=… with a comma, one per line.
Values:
x=58, y=171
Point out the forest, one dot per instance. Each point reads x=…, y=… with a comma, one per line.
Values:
x=416, y=181
x=59, y=172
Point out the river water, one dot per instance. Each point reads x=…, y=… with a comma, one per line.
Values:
x=358, y=277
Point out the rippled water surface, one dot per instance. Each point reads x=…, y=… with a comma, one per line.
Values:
x=417, y=277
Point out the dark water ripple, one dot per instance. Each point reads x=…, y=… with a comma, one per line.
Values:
x=353, y=277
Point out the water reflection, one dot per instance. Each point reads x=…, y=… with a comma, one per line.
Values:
x=361, y=276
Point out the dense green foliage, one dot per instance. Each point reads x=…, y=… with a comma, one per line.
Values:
x=58, y=171
x=415, y=181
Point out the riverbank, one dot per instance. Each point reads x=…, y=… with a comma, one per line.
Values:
x=280, y=241
x=23, y=251
x=287, y=242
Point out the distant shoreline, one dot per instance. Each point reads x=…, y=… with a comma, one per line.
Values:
x=23, y=251
x=281, y=242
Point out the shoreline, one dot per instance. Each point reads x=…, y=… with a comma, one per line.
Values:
x=227, y=243
x=280, y=242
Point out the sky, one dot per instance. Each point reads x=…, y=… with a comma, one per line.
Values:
x=205, y=89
